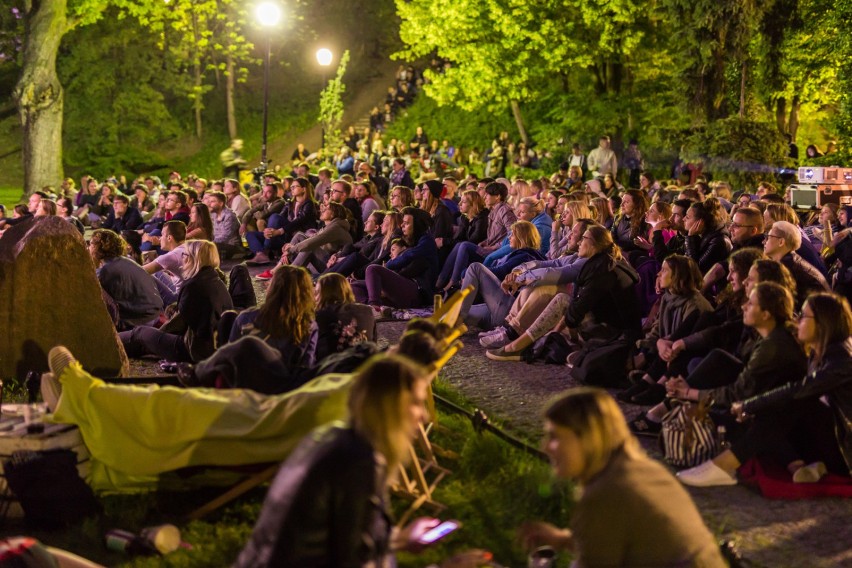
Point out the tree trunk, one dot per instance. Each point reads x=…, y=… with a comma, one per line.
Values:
x=197, y=103
x=793, y=122
x=743, y=73
x=519, y=121
x=781, y=114
x=38, y=94
x=229, y=99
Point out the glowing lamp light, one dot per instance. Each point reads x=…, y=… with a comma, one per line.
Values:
x=324, y=57
x=268, y=14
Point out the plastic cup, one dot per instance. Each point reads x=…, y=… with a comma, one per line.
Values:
x=165, y=538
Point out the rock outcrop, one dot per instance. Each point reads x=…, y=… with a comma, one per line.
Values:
x=50, y=295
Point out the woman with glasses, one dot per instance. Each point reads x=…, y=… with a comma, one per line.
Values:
x=805, y=424
x=300, y=214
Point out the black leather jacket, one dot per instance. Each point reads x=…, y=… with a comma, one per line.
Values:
x=325, y=508
x=709, y=248
x=776, y=359
x=832, y=378
x=808, y=278
x=606, y=289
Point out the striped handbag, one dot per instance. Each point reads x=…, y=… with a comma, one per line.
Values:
x=689, y=435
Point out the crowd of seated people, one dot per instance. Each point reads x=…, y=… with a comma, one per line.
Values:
x=709, y=295
x=691, y=290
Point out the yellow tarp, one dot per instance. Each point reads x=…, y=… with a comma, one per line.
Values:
x=136, y=433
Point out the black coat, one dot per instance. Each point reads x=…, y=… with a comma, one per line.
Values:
x=202, y=300
x=299, y=221
x=473, y=230
x=442, y=224
x=606, y=289
x=343, y=325
x=832, y=378
x=662, y=249
x=708, y=249
x=623, y=233
x=808, y=278
x=131, y=221
x=776, y=359
x=326, y=507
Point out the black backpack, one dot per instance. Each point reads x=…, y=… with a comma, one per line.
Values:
x=49, y=488
x=241, y=288
x=552, y=349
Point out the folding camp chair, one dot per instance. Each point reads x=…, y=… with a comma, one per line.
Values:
x=419, y=479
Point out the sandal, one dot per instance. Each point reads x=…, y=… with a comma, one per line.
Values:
x=643, y=427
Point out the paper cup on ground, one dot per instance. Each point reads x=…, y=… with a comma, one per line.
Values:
x=165, y=538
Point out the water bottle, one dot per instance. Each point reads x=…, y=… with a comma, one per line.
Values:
x=721, y=439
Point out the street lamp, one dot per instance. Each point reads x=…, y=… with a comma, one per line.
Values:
x=324, y=59
x=268, y=15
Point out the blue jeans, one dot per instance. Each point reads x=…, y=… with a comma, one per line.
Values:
x=460, y=258
x=148, y=246
x=346, y=265
x=497, y=302
x=167, y=289
x=258, y=243
x=496, y=255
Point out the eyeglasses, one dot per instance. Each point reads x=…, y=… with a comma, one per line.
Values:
x=803, y=316
x=771, y=236
x=738, y=226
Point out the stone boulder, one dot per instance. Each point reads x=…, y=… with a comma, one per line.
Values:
x=50, y=295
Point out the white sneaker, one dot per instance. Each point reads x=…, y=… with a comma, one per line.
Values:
x=707, y=474
x=51, y=390
x=495, y=340
x=497, y=329
x=58, y=358
x=810, y=473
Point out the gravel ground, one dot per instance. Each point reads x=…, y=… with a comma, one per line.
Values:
x=814, y=533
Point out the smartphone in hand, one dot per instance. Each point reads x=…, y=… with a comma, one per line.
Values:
x=439, y=532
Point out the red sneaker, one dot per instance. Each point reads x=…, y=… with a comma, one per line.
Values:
x=265, y=275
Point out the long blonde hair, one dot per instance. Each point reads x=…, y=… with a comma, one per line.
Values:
x=599, y=425
x=199, y=253
x=527, y=235
x=379, y=403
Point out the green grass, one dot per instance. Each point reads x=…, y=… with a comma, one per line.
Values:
x=492, y=489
